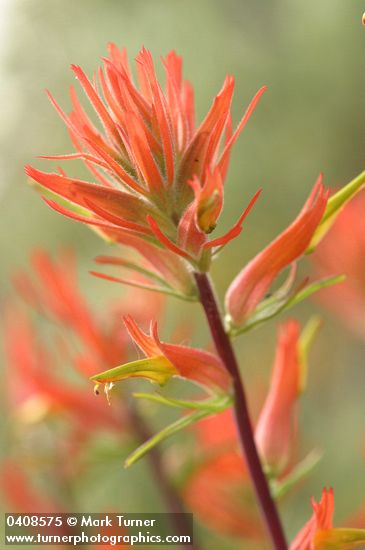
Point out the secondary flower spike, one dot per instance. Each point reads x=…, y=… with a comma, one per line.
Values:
x=157, y=178
x=253, y=282
x=319, y=533
x=276, y=425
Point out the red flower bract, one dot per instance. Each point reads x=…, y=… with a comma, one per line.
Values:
x=322, y=519
x=276, y=425
x=319, y=534
x=198, y=365
x=157, y=177
x=252, y=283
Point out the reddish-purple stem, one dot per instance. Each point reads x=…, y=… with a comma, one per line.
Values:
x=226, y=353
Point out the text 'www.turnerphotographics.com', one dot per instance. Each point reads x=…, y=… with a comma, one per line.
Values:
x=93, y=529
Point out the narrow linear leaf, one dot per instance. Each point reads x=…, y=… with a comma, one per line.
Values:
x=172, y=429
x=307, y=336
x=313, y=288
x=132, y=266
x=263, y=314
x=334, y=206
x=153, y=288
x=216, y=404
x=300, y=472
x=61, y=200
x=77, y=209
x=344, y=538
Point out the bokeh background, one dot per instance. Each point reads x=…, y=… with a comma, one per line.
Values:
x=311, y=56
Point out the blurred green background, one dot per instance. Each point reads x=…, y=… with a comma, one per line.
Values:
x=311, y=56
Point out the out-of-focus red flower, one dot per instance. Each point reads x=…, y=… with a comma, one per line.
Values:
x=218, y=491
x=158, y=179
x=167, y=360
x=343, y=250
x=19, y=492
x=357, y=520
x=276, y=425
x=37, y=377
x=34, y=377
x=253, y=282
x=319, y=533
x=51, y=288
x=23, y=497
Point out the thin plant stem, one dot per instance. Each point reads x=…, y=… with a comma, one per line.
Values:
x=225, y=351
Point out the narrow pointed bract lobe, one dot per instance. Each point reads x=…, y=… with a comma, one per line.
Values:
x=157, y=179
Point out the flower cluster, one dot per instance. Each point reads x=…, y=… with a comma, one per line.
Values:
x=35, y=384
x=157, y=178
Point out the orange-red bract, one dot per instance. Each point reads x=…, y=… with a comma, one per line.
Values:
x=275, y=429
x=252, y=283
x=80, y=339
x=322, y=519
x=319, y=533
x=197, y=365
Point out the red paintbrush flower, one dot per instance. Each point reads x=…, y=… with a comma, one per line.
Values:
x=38, y=382
x=276, y=425
x=158, y=180
x=34, y=380
x=166, y=360
x=23, y=495
x=19, y=492
x=51, y=287
x=253, y=282
x=319, y=533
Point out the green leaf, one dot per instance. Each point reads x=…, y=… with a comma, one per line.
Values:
x=271, y=307
x=172, y=429
x=61, y=200
x=160, y=284
x=307, y=291
x=156, y=369
x=133, y=266
x=76, y=208
x=334, y=206
x=307, y=336
x=217, y=404
x=344, y=538
x=299, y=472
x=153, y=288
